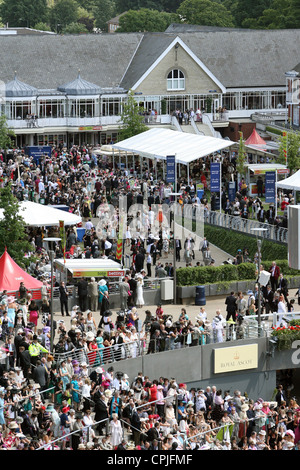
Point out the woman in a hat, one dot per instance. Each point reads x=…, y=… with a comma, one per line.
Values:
x=11, y=312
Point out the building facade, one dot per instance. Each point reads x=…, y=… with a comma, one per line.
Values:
x=71, y=89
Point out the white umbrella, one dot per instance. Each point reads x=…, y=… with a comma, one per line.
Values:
x=39, y=215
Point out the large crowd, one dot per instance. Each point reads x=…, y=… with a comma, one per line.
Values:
x=57, y=399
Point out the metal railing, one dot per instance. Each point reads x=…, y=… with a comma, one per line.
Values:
x=185, y=441
x=238, y=223
x=250, y=327
x=232, y=222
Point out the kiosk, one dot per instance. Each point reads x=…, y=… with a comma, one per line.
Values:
x=71, y=269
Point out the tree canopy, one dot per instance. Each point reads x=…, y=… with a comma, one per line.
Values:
x=145, y=20
x=205, y=12
x=12, y=227
x=132, y=118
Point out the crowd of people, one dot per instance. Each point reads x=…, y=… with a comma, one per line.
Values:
x=55, y=400
x=69, y=405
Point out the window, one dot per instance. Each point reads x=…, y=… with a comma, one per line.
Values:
x=176, y=80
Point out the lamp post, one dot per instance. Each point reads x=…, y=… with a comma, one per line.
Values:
x=51, y=255
x=257, y=230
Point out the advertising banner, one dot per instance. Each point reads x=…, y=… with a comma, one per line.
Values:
x=270, y=187
x=215, y=176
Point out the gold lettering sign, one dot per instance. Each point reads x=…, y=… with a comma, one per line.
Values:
x=236, y=358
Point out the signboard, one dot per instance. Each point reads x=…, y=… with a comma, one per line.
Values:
x=38, y=151
x=90, y=128
x=171, y=170
x=215, y=177
x=231, y=191
x=62, y=234
x=235, y=358
x=98, y=273
x=270, y=187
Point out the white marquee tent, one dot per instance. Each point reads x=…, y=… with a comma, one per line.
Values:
x=38, y=215
x=159, y=143
x=292, y=182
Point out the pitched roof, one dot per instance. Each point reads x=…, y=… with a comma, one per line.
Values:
x=16, y=88
x=80, y=87
x=48, y=61
x=238, y=58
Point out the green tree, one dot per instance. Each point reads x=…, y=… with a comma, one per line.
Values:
x=103, y=10
x=12, y=227
x=249, y=9
x=24, y=13
x=63, y=13
x=131, y=119
x=42, y=26
x=205, y=12
x=75, y=28
x=289, y=153
x=241, y=158
x=6, y=134
x=126, y=5
x=145, y=20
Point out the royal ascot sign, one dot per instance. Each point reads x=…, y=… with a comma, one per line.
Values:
x=235, y=358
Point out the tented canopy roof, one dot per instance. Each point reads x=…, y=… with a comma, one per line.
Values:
x=11, y=275
x=79, y=86
x=292, y=182
x=38, y=215
x=255, y=140
x=260, y=168
x=90, y=267
x=16, y=88
x=159, y=143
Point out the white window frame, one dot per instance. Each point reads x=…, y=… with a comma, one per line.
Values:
x=173, y=83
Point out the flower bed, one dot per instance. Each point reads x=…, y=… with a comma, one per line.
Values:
x=285, y=336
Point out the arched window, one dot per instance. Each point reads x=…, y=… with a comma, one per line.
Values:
x=176, y=80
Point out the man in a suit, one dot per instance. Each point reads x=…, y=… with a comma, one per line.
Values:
x=82, y=287
x=63, y=296
x=124, y=288
x=283, y=286
x=275, y=273
x=269, y=300
x=231, y=306
x=204, y=247
x=177, y=248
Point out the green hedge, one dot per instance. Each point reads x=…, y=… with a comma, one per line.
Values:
x=230, y=241
x=228, y=272
x=213, y=274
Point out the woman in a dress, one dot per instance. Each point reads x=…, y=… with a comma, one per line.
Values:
x=139, y=292
x=116, y=431
x=11, y=313
x=33, y=314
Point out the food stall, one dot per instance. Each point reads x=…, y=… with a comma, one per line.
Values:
x=72, y=269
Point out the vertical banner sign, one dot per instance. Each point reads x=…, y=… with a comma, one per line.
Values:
x=119, y=252
x=63, y=237
x=285, y=145
x=170, y=178
x=215, y=176
x=231, y=191
x=270, y=187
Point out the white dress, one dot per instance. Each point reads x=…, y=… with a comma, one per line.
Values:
x=139, y=293
x=116, y=433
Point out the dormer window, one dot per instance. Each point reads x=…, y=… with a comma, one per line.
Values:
x=176, y=80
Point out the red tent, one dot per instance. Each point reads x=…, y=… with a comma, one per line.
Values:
x=11, y=275
x=255, y=140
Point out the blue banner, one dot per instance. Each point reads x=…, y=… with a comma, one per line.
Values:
x=171, y=170
x=270, y=187
x=38, y=151
x=231, y=191
x=215, y=176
